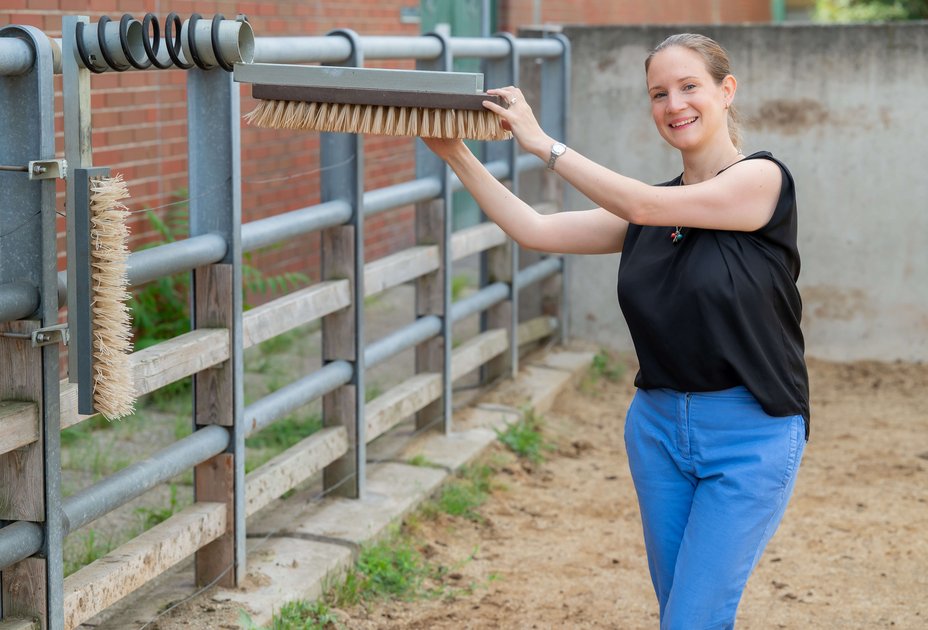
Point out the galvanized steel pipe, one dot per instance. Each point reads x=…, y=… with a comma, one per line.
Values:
x=483, y=299
x=16, y=56
x=107, y=495
x=19, y=541
x=539, y=271
x=276, y=405
x=17, y=300
x=406, y=337
x=264, y=232
x=399, y=195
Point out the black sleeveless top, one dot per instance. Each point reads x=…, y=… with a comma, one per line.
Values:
x=719, y=308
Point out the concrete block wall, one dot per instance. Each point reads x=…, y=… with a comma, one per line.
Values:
x=843, y=106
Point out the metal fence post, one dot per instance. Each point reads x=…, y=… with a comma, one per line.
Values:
x=555, y=99
x=216, y=207
x=342, y=162
x=502, y=264
x=433, y=290
x=30, y=477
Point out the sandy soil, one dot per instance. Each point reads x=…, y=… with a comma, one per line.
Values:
x=560, y=546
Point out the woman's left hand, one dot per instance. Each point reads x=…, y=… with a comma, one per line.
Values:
x=520, y=120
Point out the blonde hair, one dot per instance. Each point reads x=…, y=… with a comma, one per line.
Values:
x=717, y=64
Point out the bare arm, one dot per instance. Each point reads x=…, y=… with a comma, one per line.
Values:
x=742, y=198
x=595, y=231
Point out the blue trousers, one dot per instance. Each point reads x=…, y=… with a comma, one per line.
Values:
x=713, y=474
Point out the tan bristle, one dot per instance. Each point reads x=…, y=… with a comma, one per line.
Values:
x=113, y=392
x=378, y=120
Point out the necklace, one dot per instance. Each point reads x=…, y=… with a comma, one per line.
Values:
x=677, y=235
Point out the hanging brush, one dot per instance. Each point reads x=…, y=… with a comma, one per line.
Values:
x=103, y=320
x=371, y=101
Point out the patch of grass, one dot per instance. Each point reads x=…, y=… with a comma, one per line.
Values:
x=391, y=568
x=278, y=437
x=459, y=284
x=297, y=615
x=606, y=366
x=465, y=494
x=151, y=516
x=91, y=549
x=422, y=461
x=524, y=438
x=279, y=344
x=82, y=431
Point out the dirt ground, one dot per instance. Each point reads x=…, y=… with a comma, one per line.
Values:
x=560, y=543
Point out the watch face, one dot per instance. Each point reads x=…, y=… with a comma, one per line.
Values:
x=558, y=149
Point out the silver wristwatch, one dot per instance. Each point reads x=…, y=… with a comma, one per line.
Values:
x=557, y=150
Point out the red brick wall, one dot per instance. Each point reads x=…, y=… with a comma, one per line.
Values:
x=139, y=118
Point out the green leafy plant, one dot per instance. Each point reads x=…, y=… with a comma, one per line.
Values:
x=465, y=494
x=524, y=437
x=870, y=10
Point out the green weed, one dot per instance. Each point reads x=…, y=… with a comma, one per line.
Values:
x=465, y=494
x=388, y=569
x=297, y=615
x=151, y=516
x=524, y=438
x=606, y=366
x=90, y=550
x=421, y=461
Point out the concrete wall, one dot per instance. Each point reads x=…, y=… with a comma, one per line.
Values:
x=846, y=107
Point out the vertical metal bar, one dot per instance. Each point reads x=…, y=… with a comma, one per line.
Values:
x=505, y=71
x=75, y=84
x=32, y=137
x=214, y=152
x=429, y=165
x=342, y=161
x=555, y=101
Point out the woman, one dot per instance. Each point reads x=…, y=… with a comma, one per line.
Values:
x=707, y=284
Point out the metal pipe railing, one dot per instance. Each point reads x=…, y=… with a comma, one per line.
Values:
x=538, y=272
x=276, y=405
x=406, y=337
x=265, y=232
x=398, y=195
x=17, y=300
x=22, y=539
x=483, y=299
x=16, y=56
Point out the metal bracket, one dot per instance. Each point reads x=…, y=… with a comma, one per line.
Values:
x=51, y=334
x=48, y=169
x=44, y=336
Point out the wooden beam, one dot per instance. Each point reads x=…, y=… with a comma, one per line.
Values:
x=293, y=466
x=176, y=358
x=395, y=269
x=536, y=328
x=476, y=239
x=132, y=565
x=400, y=402
x=293, y=310
x=478, y=350
x=20, y=624
x=19, y=424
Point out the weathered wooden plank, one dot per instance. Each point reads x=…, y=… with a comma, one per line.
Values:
x=536, y=328
x=401, y=401
x=478, y=350
x=214, y=481
x=129, y=567
x=296, y=464
x=430, y=300
x=179, y=357
x=476, y=239
x=19, y=424
x=19, y=624
x=24, y=590
x=398, y=268
x=22, y=471
x=294, y=309
x=213, y=293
